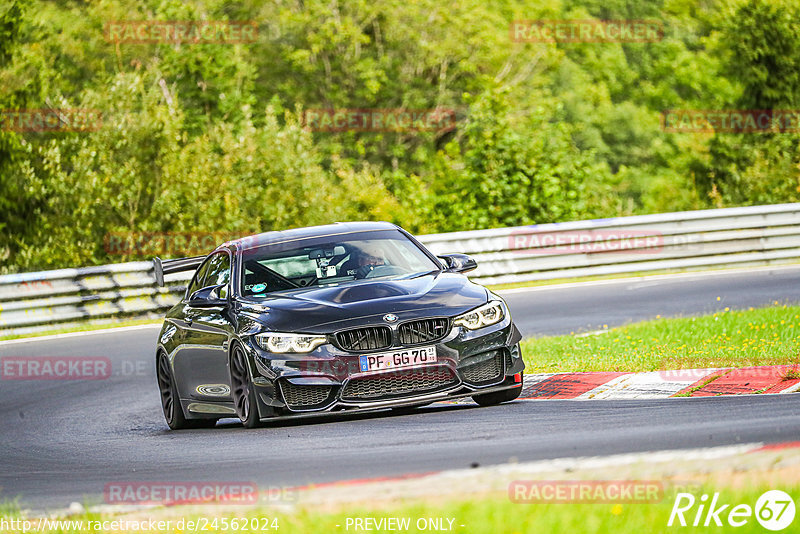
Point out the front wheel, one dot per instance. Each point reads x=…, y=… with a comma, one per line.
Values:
x=490, y=399
x=170, y=402
x=244, y=395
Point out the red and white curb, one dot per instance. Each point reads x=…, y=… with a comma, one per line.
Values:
x=661, y=384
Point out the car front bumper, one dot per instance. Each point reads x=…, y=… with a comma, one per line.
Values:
x=329, y=380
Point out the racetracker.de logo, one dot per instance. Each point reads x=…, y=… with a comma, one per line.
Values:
x=586, y=241
x=164, y=243
x=585, y=491
x=676, y=372
x=55, y=368
x=586, y=31
x=168, y=493
x=50, y=120
x=379, y=120
x=731, y=121
x=181, y=32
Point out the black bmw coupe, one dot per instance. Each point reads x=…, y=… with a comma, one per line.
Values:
x=313, y=321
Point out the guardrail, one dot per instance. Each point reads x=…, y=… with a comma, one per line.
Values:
x=754, y=235
x=757, y=235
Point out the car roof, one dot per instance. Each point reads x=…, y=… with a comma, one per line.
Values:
x=279, y=236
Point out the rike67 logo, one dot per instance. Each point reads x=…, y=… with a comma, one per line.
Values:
x=774, y=510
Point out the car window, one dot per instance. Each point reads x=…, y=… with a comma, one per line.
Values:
x=219, y=272
x=216, y=270
x=325, y=260
x=199, y=275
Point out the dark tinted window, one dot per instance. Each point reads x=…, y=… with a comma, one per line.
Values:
x=215, y=271
x=197, y=281
x=219, y=270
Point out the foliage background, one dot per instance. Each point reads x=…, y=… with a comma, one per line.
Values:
x=209, y=137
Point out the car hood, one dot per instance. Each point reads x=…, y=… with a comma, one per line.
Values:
x=326, y=309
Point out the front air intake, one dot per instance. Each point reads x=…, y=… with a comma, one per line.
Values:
x=423, y=331
x=363, y=339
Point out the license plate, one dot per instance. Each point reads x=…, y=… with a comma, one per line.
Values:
x=397, y=359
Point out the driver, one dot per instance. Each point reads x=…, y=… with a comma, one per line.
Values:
x=363, y=260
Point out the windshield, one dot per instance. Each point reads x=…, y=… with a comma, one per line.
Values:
x=332, y=260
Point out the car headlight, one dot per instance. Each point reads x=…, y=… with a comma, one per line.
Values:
x=486, y=315
x=281, y=342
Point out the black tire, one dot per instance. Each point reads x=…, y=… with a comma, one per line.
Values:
x=170, y=403
x=491, y=399
x=242, y=391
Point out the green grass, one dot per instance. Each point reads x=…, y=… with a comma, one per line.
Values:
x=492, y=514
x=701, y=385
x=763, y=336
x=498, y=514
x=792, y=374
x=82, y=328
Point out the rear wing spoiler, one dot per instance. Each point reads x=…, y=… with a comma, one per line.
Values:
x=162, y=267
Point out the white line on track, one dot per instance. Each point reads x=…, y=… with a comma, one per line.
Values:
x=651, y=278
x=113, y=330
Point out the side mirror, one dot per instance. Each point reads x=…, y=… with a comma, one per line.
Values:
x=208, y=297
x=459, y=263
